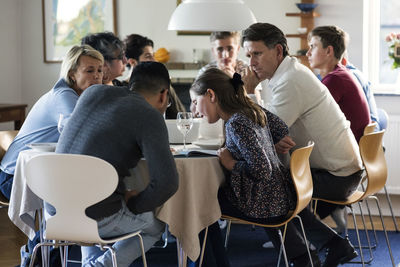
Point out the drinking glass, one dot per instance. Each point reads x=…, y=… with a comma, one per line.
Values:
x=62, y=121
x=184, y=122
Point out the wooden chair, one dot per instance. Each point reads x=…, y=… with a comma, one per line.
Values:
x=71, y=183
x=301, y=175
x=376, y=174
x=6, y=138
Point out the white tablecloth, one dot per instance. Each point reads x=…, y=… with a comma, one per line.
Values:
x=23, y=202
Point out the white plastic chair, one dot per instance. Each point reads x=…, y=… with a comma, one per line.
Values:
x=71, y=183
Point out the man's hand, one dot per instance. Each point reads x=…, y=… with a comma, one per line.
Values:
x=226, y=158
x=284, y=145
x=250, y=80
x=129, y=194
x=228, y=69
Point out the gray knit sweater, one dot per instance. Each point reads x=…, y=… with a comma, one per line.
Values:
x=120, y=127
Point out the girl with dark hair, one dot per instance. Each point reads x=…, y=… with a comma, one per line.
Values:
x=257, y=187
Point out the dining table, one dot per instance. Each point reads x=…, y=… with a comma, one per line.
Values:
x=190, y=210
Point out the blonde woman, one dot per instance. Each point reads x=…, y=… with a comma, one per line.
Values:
x=81, y=68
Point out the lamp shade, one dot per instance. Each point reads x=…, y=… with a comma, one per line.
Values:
x=211, y=15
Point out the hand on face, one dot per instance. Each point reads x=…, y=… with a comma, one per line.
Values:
x=226, y=158
x=250, y=80
x=228, y=69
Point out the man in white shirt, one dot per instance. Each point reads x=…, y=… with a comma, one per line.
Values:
x=311, y=113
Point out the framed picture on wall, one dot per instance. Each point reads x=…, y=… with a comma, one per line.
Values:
x=190, y=32
x=65, y=22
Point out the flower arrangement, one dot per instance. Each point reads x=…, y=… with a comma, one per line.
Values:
x=393, y=40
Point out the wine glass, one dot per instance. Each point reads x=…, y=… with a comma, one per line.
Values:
x=62, y=121
x=184, y=122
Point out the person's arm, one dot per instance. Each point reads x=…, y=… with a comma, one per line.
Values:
x=153, y=141
x=254, y=161
x=277, y=127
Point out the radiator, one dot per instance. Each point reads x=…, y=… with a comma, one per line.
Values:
x=391, y=141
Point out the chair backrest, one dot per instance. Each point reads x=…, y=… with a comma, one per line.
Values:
x=301, y=175
x=373, y=157
x=370, y=128
x=6, y=138
x=71, y=183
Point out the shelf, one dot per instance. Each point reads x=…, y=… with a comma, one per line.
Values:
x=303, y=35
x=184, y=65
x=304, y=15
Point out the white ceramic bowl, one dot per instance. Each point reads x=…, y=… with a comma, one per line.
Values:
x=302, y=30
x=45, y=147
x=176, y=137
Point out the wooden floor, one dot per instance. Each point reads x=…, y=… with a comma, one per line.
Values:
x=11, y=238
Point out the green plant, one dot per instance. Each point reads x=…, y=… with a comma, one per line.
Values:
x=393, y=40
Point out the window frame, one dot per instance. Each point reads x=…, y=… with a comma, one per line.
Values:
x=371, y=35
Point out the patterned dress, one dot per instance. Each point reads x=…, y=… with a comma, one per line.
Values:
x=258, y=186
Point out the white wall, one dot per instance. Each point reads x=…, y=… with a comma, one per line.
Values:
x=27, y=77
x=10, y=54
x=30, y=77
x=348, y=15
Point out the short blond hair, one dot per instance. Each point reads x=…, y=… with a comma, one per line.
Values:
x=222, y=35
x=71, y=61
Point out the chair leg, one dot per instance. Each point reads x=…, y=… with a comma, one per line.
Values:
x=391, y=209
x=384, y=229
x=371, y=256
x=113, y=255
x=143, y=252
x=203, y=247
x=305, y=240
x=358, y=235
x=371, y=221
x=228, y=231
x=283, y=249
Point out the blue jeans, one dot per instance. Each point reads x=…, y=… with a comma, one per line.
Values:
x=6, y=181
x=123, y=222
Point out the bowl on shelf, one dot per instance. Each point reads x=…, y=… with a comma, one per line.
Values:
x=302, y=30
x=306, y=7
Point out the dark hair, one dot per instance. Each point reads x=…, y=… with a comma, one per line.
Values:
x=268, y=33
x=222, y=35
x=150, y=77
x=331, y=35
x=109, y=45
x=134, y=45
x=231, y=95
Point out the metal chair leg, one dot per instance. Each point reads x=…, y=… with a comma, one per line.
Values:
x=358, y=236
x=228, y=230
x=283, y=249
x=142, y=249
x=391, y=209
x=371, y=221
x=371, y=256
x=384, y=229
x=305, y=240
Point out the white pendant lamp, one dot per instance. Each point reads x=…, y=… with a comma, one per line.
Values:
x=211, y=15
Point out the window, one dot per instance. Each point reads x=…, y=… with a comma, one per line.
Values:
x=381, y=18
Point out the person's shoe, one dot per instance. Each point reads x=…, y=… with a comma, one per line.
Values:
x=340, y=250
x=304, y=261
